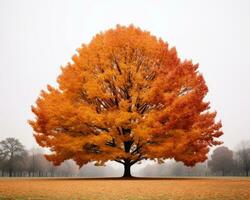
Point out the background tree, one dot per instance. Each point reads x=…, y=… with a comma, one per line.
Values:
x=2, y=160
x=12, y=149
x=2, y=154
x=221, y=160
x=19, y=163
x=243, y=154
x=126, y=97
x=38, y=165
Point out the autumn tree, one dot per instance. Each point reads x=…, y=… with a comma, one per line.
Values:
x=126, y=97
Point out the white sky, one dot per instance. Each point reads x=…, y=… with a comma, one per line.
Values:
x=37, y=37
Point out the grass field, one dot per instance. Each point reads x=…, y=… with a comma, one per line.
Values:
x=137, y=189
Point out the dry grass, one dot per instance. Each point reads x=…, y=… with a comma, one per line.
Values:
x=97, y=189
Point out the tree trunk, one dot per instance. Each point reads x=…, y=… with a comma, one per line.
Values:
x=127, y=172
x=10, y=169
x=10, y=172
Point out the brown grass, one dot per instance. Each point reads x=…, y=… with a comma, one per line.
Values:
x=97, y=189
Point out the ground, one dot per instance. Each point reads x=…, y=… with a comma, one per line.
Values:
x=138, y=189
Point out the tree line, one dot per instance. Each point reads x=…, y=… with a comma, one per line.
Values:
x=16, y=161
x=222, y=162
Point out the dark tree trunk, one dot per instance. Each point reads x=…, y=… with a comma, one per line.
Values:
x=10, y=168
x=127, y=164
x=127, y=172
x=10, y=173
x=11, y=165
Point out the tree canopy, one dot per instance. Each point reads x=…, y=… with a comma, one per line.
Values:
x=11, y=150
x=222, y=160
x=125, y=97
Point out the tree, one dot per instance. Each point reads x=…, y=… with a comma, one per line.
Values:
x=2, y=160
x=244, y=156
x=12, y=149
x=2, y=154
x=221, y=160
x=126, y=97
x=20, y=163
x=37, y=163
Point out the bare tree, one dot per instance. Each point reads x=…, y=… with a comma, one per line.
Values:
x=244, y=156
x=2, y=154
x=2, y=160
x=10, y=148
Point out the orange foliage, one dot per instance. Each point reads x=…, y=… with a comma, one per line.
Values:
x=126, y=97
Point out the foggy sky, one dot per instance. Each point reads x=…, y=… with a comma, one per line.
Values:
x=37, y=37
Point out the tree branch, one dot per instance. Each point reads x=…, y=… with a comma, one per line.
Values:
x=119, y=161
